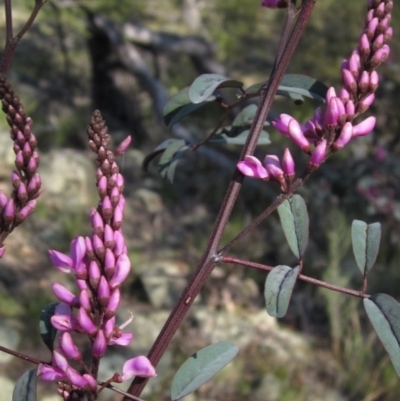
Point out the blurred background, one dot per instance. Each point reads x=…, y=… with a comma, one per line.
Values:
x=127, y=58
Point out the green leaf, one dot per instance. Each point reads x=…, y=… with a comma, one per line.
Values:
x=240, y=139
x=25, y=388
x=366, y=239
x=296, y=86
x=200, y=367
x=47, y=331
x=245, y=116
x=294, y=220
x=278, y=289
x=304, y=86
x=205, y=85
x=174, y=150
x=179, y=106
x=384, y=313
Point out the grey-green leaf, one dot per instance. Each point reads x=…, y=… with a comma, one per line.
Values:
x=200, y=367
x=205, y=85
x=25, y=388
x=384, y=313
x=179, y=106
x=295, y=222
x=47, y=331
x=366, y=239
x=169, y=159
x=278, y=289
x=240, y=139
x=296, y=86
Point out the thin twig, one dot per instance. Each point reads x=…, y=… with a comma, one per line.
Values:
x=21, y=356
x=333, y=287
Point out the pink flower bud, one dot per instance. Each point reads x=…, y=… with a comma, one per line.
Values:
x=363, y=82
x=378, y=42
x=75, y=378
x=22, y=193
x=122, y=269
x=19, y=160
x=117, y=218
x=98, y=246
x=273, y=166
x=69, y=348
x=108, y=237
x=99, y=345
x=65, y=295
x=318, y=155
x=354, y=64
x=113, y=303
x=94, y=274
x=3, y=199
x=106, y=208
x=89, y=248
x=349, y=81
x=380, y=56
x=119, y=243
x=25, y=211
x=371, y=28
x=109, y=263
x=297, y=136
x=364, y=46
x=91, y=381
x=59, y=359
x=288, y=165
x=350, y=110
x=387, y=35
x=84, y=300
x=139, y=366
x=252, y=167
x=103, y=291
x=114, y=196
x=9, y=211
x=96, y=222
x=344, y=137
x=365, y=103
x=281, y=124
x=15, y=179
x=121, y=149
x=364, y=127
x=102, y=186
x=373, y=81
x=86, y=322
x=331, y=93
x=344, y=95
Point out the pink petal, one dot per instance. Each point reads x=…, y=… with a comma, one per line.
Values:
x=364, y=127
x=51, y=373
x=61, y=261
x=139, y=366
x=252, y=167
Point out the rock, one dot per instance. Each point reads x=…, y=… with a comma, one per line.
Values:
x=68, y=178
x=9, y=338
x=163, y=281
x=6, y=388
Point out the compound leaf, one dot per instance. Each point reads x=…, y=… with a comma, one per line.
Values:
x=200, y=367
x=170, y=157
x=179, y=106
x=295, y=222
x=25, y=388
x=384, y=313
x=366, y=239
x=278, y=289
x=205, y=85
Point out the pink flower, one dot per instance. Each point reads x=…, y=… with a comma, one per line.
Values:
x=252, y=167
x=139, y=366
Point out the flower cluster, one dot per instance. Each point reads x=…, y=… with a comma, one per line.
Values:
x=25, y=178
x=100, y=264
x=331, y=127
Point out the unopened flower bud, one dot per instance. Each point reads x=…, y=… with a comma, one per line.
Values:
x=97, y=222
x=288, y=165
x=65, y=295
x=122, y=269
x=68, y=347
x=344, y=137
x=94, y=274
x=364, y=127
x=103, y=291
x=24, y=212
x=113, y=303
x=318, y=155
x=86, y=322
x=9, y=211
x=123, y=146
x=297, y=136
x=99, y=345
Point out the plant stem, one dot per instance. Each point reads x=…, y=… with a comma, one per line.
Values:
x=210, y=257
x=21, y=356
x=12, y=41
x=333, y=287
